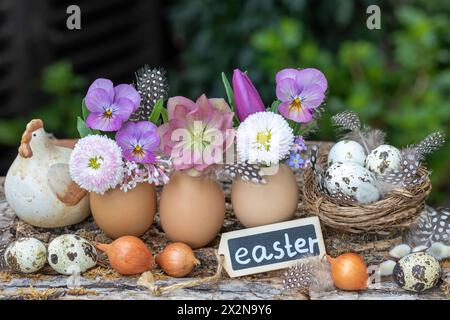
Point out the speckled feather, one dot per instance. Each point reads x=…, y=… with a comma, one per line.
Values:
x=433, y=225
x=310, y=274
x=299, y=276
x=347, y=120
x=247, y=172
x=369, y=138
x=152, y=85
x=430, y=144
x=372, y=138
x=406, y=176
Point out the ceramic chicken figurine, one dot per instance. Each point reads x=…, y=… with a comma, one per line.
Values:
x=38, y=186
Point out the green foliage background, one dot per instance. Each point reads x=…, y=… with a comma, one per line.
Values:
x=65, y=91
x=396, y=78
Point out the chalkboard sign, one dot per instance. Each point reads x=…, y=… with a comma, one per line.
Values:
x=271, y=247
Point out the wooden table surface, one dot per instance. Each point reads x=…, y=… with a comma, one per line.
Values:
x=103, y=283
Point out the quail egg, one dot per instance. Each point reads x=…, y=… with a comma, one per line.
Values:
x=345, y=151
x=69, y=254
x=417, y=272
x=26, y=255
x=383, y=159
x=347, y=178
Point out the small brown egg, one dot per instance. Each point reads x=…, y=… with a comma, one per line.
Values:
x=120, y=213
x=192, y=209
x=261, y=204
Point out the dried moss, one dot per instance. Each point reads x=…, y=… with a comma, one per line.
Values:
x=32, y=293
x=33, y=276
x=81, y=292
x=102, y=273
x=445, y=287
x=6, y=276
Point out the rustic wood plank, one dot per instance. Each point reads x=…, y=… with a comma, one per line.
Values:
x=126, y=288
x=385, y=291
x=55, y=287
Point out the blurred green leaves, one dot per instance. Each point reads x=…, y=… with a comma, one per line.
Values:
x=404, y=90
x=64, y=93
x=59, y=79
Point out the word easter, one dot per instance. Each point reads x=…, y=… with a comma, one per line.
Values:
x=260, y=253
x=271, y=247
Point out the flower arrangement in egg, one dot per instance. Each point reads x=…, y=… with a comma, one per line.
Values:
x=117, y=159
x=362, y=168
x=270, y=144
x=195, y=136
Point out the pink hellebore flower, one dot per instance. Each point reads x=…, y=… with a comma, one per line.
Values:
x=300, y=92
x=246, y=97
x=197, y=133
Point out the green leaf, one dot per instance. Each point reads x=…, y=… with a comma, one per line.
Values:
x=83, y=129
x=84, y=110
x=274, y=106
x=307, y=129
x=235, y=121
x=230, y=96
x=229, y=91
x=156, y=112
x=165, y=117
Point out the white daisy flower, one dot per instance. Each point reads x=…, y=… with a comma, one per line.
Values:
x=264, y=138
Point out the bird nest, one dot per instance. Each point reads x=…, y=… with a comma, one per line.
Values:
x=397, y=210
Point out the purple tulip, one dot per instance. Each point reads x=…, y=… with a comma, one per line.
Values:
x=110, y=106
x=139, y=141
x=246, y=98
x=300, y=92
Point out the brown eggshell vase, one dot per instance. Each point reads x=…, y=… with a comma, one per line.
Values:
x=120, y=213
x=260, y=204
x=192, y=209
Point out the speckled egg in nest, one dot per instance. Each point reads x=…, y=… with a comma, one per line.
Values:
x=417, y=272
x=353, y=180
x=383, y=159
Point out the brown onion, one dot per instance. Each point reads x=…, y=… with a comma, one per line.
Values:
x=349, y=272
x=177, y=260
x=128, y=255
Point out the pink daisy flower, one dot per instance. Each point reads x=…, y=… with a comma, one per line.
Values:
x=96, y=164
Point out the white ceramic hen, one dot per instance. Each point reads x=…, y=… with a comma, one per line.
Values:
x=38, y=186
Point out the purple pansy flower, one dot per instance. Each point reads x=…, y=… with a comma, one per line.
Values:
x=110, y=106
x=295, y=161
x=139, y=141
x=300, y=92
